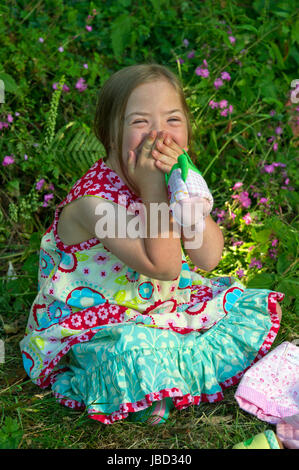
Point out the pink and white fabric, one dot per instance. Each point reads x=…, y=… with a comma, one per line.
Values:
x=270, y=388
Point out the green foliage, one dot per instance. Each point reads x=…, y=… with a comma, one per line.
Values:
x=10, y=434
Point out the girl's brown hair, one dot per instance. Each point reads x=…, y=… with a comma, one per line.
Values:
x=113, y=97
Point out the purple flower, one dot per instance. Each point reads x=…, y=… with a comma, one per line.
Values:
x=272, y=113
x=202, y=72
x=186, y=42
x=40, y=184
x=244, y=199
x=89, y=28
x=41, y=39
x=8, y=160
x=263, y=200
x=223, y=104
x=254, y=262
x=85, y=66
x=47, y=197
x=191, y=54
x=218, y=83
x=240, y=273
x=237, y=185
x=275, y=146
x=60, y=49
x=213, y=104
x=274, y=242
x=272, y=253
x=25, y=157
x=269, y=168
x=225, y=76
x=81, y=85
x=259, y=134
x=181, y=60
x=278, y=130
x=232, y=39
x=247, y=219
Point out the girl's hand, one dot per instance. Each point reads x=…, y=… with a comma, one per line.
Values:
x=166, y=152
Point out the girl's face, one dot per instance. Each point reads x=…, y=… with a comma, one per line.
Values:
x=152, y=106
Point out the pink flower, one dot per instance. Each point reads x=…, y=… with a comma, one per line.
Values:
x=272, y=113
x=247, y=219
x=81, y=85
x=278, y=130
x=263, y=200
x=254, y=262
x=41, y=39
x=202, y=72
x=225, y=76
x=230, y=108
x=240, y=273
x=64, y=88
x=237, y=185
x=60, y=49
x=224, y=112
x=238, y=243
x=223, y=104
x=89, y=28
x=274, y=242
x=232, y=39
x=218, y=83
x=269, y=168
x=272, y=253
x=213, y=104
x=275, y=146
x=244, y=199
x=191, y=54
x=85, y=66
x=47, y=197
x=40, y=184
x=8, y=160
x=9, y=118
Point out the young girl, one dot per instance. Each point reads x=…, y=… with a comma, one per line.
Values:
x=121, y=326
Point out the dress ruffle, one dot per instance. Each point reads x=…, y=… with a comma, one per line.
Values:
x=125, y=368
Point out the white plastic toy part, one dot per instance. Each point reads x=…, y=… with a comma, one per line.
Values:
x=190, y=198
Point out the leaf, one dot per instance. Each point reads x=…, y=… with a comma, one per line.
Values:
x=282, y=263
x=261, y=281
x=295, y=32
x=290, y=287
x=9, y=83
x=10, y=434
x=277, y=55
x=120, y=34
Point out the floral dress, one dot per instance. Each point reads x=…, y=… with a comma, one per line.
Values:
x=109, y=339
